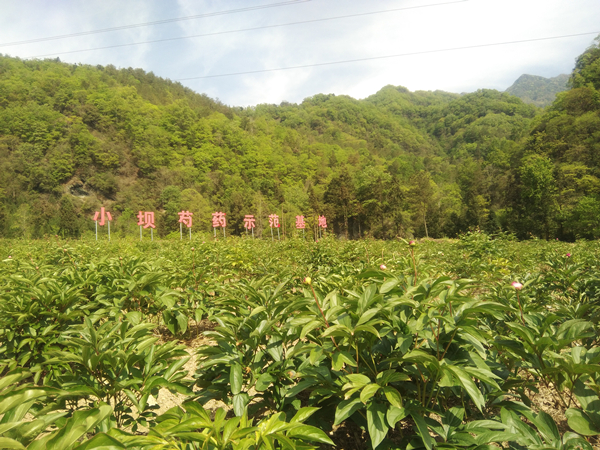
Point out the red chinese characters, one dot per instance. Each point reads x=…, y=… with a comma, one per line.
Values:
x=185, y=217
x=300, y=222
x=249, y=222
x=218, y=220
x=103, y=215
x=146, y=218
x=322, y=222
x=274, y=221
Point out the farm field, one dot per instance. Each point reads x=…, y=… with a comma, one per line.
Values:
x=474, y=343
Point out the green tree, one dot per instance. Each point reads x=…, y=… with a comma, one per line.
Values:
x=68, y=219
x=421, y=196
x=170, y=202
x=538, y=193
x=373, y=191
x=587, y=67
x=341, y=198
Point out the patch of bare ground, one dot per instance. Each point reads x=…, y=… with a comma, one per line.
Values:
x=545, y=400
x=166, y=399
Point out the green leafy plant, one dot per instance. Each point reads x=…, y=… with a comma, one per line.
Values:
x=118, y=362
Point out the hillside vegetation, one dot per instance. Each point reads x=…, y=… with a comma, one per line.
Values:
x=538, y=91
x=75, y=137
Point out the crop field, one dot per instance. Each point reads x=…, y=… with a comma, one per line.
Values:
x=475, y=343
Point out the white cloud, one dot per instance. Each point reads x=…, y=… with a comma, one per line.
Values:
x=467, y=23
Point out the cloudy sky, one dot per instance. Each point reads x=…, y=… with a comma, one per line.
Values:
x=419, y=44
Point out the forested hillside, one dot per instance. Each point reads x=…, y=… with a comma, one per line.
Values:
x=538, y=91
x=75, y=137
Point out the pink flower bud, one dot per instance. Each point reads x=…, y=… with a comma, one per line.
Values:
x=383, y=267
x=518, y=286
x=412, y=243
x=568, y=255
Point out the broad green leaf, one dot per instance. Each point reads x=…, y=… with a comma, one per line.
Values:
x=487, y=437
x=368, y=328
x=469, y=385
x=338, y=331
x=303, y=414
x=310, y=433
x=9, y=379
x=527, y=435
x=357, y=380
x=394, y=414
x=346, y=408
x=419, y=356
x=393, y=396
x=580, y=422
x=341, y=358
x=230, y=427
x=546, y=427
x=367, y=315
x=310, y=326
x=264, y=381
x=573, y=441
x=376, y=423
x=368, y=391
x=292, y=392
x=236, y=378
x=388, y=285
x=10, y=443
x=101, y=441
x=182, y=322
x=81, y=422
x=422, y=429
x=587, y=397
x=240, y=401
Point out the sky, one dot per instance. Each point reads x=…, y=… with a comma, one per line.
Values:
x=418, y=44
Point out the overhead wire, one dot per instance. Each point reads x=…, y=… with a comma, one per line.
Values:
x=156, y=22
x=347, y=61
x=263, y=27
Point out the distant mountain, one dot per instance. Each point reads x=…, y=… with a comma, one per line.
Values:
x=538, y=90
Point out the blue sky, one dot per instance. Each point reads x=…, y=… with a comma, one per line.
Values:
x=415, y=26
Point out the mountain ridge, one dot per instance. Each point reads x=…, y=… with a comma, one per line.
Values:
x=538, y=90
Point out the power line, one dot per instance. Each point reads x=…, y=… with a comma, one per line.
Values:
x=157, y=22
x=249, y=29
x=330, y=63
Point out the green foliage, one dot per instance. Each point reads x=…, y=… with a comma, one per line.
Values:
x=411, y=352
x=538, y=90
x=587, y=68
x=127, y=138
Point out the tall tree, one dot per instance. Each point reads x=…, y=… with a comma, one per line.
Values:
x=422, y=198
x=68, y=220
x=538, y=192
x=341, y=198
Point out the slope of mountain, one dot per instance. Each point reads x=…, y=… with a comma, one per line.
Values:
x=538, y=91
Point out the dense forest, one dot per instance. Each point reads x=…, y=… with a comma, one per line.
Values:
x=398, y=163
x=538, y=91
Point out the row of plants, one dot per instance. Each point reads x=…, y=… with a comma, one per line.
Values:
x=430, y=345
